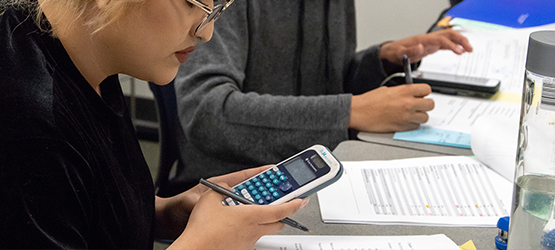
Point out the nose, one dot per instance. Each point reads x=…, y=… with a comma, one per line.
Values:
x=205, y=33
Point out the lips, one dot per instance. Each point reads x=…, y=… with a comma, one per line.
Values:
x=182, y=55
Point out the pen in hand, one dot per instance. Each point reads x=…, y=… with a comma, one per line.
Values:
x=406, y=66
x=224, y=191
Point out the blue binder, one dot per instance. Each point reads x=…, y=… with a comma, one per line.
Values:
x=511, y=13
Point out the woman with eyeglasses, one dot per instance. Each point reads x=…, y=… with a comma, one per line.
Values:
x=72, y=174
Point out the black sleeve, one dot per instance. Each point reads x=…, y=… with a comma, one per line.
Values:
x=44, y=196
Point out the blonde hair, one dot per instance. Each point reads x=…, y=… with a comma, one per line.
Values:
x=68, y=11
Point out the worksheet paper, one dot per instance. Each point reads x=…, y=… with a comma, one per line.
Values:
x=494, y=142
x=452, y=121
x=298, y=242
x=437, y=191
x=459, y=113
x=496, y=54
x=499, y=54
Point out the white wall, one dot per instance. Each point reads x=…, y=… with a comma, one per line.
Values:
x=377, y=21
x=382, y=20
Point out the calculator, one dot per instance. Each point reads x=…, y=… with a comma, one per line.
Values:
x=296, y=177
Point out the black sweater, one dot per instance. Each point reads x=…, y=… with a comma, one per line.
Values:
x=72, y=174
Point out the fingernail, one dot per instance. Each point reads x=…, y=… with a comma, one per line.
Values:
x=303, y=204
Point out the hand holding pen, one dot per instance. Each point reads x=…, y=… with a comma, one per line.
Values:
x=224, y=191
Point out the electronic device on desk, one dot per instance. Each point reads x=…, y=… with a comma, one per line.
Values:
x=297, y=177
x=457, y=85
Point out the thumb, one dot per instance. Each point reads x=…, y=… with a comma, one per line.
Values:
x=215, y=196
x=274, y=213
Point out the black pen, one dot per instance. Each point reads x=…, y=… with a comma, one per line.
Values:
x=406, y=66
x=221, y=190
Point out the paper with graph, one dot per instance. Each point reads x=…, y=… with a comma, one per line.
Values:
x=442, y=191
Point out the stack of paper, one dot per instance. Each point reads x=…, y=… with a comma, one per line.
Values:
x=497, y=54
x=426, y=242
x=440, y=191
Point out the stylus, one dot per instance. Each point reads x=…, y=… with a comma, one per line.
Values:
x=406, y=66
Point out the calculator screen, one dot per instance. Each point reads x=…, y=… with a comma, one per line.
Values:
x=300, y=171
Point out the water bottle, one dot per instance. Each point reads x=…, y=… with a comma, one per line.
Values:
x=532, y=223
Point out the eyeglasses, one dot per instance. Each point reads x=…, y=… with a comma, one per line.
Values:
x=211, y=14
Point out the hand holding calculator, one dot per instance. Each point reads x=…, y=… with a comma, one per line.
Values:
x=297, y=177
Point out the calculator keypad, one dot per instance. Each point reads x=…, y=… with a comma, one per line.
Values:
x=264, y=188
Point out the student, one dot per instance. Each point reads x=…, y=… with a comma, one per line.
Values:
x=280, y=76
x=72, y=174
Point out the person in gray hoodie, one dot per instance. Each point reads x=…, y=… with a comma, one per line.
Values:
x=280, y=76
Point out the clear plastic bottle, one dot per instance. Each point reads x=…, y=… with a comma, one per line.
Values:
x=532, y=222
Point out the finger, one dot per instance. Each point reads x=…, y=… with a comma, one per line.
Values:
x=235, y=178
x=445, y=43
x=419, y=89
x=274, y=213
x=423, y=105
x=213, y=196
x=445, y=40
x=455, y=42
x=461, y=40
x=420, y=117
x=409, y=126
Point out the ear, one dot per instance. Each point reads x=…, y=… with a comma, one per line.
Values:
x=101, y=3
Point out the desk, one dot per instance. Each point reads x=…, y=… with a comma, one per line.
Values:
x=387, y=139
x=310, y=216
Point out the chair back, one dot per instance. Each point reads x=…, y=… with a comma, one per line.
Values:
x=169, y=130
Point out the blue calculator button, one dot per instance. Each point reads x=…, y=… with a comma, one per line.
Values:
x=271, y=189
x=268, y=173
x=248, y=183
x=286, y=186
x=272, y=176
x=258, y=197
x=254, y=192
x=265, y=180
x=282, y=178
x=254, y=179
x=251, y=187
x=240, y=186
x=268, y=198
x=276, y=181
x=261, y=201
x=258, y=184
x=279, y=173
x=275, y=194
x=261, y=188
x=264, y=193
x=269, y=185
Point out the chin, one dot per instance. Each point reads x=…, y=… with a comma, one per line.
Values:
x=163, y=79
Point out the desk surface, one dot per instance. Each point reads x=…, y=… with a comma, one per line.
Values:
x=387, y=139
x=310, y=216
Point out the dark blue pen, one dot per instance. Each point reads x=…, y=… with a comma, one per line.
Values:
x=221, y=190
x=406, y=66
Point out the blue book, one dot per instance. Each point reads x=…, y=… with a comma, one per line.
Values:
x=511, y=13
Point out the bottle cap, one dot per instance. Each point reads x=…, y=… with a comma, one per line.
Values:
x=503, y=233
x=541, y=53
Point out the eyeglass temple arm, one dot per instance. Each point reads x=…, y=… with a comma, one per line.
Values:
x=201, y=5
